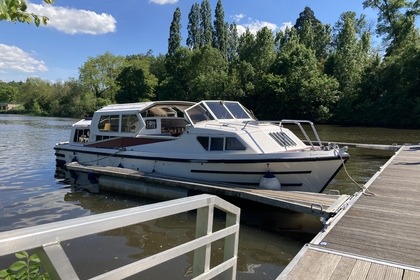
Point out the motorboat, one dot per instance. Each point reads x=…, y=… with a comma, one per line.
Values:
x=208, y=141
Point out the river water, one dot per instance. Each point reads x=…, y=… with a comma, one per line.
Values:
x=31, y=195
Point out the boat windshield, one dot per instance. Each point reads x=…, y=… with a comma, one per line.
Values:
x=219, y=110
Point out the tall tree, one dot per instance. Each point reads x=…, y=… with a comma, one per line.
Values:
x=174, y=41
x=312, y=33
x=194, y=32
x=396, y=20
x=264, y=50
x=205, y=24
x=208, y=77
x=136, y=82
x=302, y=89
x=220, y=29
x=98, y=75
x=175, y=84
x=232, y=42
x=350, y=59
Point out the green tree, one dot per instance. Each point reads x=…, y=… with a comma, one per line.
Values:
x=98, y=75
x=246, y=46
x=8, y=92
x=396, y=20
x=15, y=10
x=312, y=33
x=306, y=90
x=232, y=43
x=174, y=86
x=208, y=77
x=399, y=78
x=264, y=50
x=136, y=82
x=348, y=62
x=220, y=29
x=194, y=34
x=73, y=100
x=205, y=24
x=351, y=53
x=37, y=96
x=174, y=41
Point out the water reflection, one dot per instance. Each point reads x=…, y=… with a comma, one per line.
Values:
x=30, y=195
x=262, y=254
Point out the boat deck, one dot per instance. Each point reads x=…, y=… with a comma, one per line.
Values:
x=377, y=237
x=318, y=204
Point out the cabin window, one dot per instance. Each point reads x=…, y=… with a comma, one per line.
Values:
x=102, y=137
x=81, y=135
x=237, y=111
x=219, y=110
x=221, y=143
x=204, y=141
x=109, y=123
x=130, y=123
x=233, y=144
x=198, y=114
x=216, y=144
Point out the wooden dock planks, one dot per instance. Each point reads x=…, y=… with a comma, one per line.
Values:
x=378, y=237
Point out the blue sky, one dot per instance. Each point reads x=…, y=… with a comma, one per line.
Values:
x=80, y=29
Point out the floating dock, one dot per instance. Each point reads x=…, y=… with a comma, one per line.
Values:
x=151, y=185
x=377, y=236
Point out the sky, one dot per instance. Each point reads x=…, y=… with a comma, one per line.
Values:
x=81, y=29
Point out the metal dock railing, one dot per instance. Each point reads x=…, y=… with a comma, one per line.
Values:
x=46, y=239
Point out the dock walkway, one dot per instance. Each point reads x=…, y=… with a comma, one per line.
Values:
x=377, y=236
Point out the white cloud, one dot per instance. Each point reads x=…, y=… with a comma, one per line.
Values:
x=73, y=21
x=286, y=25
x=13, y=58
x=254, y=26
x=163, y=2
x=237, y=18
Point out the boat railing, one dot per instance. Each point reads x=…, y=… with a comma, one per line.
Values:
x=46, y=239
x=298, y=123
x=302, y=129
x=222, y=125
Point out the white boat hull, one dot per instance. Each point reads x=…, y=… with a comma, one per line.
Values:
x=304, y=171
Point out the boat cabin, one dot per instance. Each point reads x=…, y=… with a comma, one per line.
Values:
x=154, y=119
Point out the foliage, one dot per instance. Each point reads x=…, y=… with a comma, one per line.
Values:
x=98, y=75
x=174, y=41
x=15, y=10
x=135, y=81
x=194, y=31
x=220, y=29
x=310, y=70
x=205, y=24
x=27, y=267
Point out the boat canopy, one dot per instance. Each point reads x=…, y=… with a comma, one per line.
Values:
x=217, y=110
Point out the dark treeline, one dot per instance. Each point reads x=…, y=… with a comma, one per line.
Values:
x=313, y=71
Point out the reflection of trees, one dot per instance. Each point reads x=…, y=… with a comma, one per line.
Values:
x=258, y=248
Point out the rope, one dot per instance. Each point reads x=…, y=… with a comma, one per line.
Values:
x=365, y=191
x=105, y=157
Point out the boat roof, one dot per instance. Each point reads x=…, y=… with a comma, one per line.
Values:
x=141, y=106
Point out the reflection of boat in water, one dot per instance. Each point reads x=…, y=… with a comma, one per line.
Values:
x=214, y=141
